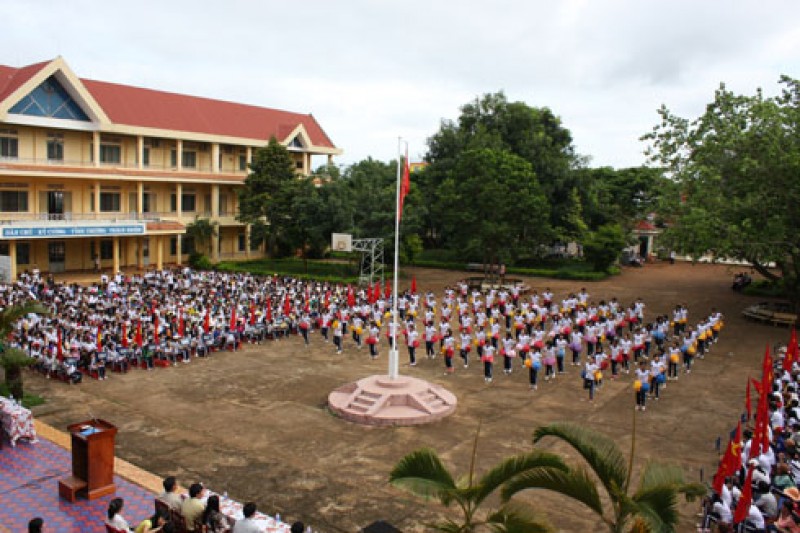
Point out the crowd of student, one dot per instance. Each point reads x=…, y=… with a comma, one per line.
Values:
x=756, y=485
x=170, y=317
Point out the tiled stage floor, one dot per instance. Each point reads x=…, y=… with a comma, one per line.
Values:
x=29, y=477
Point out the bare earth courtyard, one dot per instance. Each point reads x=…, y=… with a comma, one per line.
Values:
x=254, y=423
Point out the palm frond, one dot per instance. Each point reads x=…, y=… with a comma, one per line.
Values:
x=517, y=517
x=600, y=452
x=447, y=526
x=659, y=474
x=513, y=466
x=657, y=507
x=574, y=483
x=11, y=314
x=422, y=473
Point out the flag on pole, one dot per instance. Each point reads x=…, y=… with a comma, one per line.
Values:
x=388, y=292
x=155, y=329
x=743, y=507
x=791, y=352
x=124, y=336
x=233, y=317
x=99, y=337
x=138, y=338
x=252, y=314
x=413, y=284
x=405, y=186
x=747, y=401
x=207, y=321
x=269, y=313
x=59, y=345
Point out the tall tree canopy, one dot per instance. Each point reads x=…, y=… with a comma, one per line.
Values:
x=493, y=205
x=737, y=166
x=493, y=123
x=266, y=198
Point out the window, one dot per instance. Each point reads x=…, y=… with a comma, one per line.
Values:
x=106, y=249
x=8, y=144
x=109, y=201
x=146, y=156
x=243, y=162
x=223, y=205
x=187, y=245
x=23, y=253
x=14, y=201
x=298, y=165
x=189, y=159
x=173, y=246
x=188, y=202
x=110, y=150
x=173, y=158
x=55, y=147
x=242, y=242
x=4, y=248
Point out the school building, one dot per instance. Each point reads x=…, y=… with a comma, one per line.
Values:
x=91, y=169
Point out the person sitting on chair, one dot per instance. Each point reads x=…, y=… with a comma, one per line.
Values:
x=170, y=495
x=192, y=508
x=248, y=524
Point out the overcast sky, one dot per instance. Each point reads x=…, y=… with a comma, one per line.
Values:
x=371, y=71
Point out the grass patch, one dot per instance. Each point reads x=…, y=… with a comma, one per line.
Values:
x=28, y=400
x=334, y=272
x=765, y=289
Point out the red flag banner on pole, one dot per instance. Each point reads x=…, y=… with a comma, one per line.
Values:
x=414, y=285
x=207, y=321
x=405, y=186
x=748, y=402
x=124, y=336
x=252, y=314
x=59, y=345
x=99, y=337
x=269, y=313
x=388, y=292
x=791, y=352
x=155, y=329
x=138, y=338
x=233, y=317
x=743, y=507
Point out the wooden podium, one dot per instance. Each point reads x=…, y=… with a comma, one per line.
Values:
x=92, y=460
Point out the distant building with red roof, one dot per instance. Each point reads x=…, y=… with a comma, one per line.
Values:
x=92, y=169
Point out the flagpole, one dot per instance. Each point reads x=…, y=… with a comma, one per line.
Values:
x=393, y=355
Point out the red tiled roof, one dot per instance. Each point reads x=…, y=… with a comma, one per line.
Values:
x=644, y=225
x=11, y=78
x=148, y=108
x=136, y=106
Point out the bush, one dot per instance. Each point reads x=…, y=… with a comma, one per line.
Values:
x=765, y=289
x=313, y=270
x=603, y=247
x=200, y=261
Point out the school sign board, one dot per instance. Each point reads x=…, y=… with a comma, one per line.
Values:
x=59, y=232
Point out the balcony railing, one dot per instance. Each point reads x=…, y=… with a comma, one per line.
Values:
x=80, y=163
x=7, y=218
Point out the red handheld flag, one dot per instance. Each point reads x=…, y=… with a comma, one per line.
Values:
x=233, y=317
x=99, y=337
x=207, y=321
x=155, y=329
x=414, y=285
x=138, y=338
x=181, y=324
x=743, y=507
x=252, y=314
x=59, y=345
x=791, y=352
x=124, y=336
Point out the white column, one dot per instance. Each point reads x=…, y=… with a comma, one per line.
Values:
x=97, y=198
x=139, y=198
x=214, y=202
x=178, y=203
x=116, y=255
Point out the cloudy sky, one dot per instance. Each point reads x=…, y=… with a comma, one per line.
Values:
x=373, y=70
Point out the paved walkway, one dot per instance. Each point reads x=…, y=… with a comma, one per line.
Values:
x=29, y=477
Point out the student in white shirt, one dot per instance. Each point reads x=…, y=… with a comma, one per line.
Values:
x=643, y=377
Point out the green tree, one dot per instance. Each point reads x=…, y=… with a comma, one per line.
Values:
x=423, y=473
x=620, y=196
x=306, y=228
x=602, y=247
x=494, y=207
x=13, y=360
x=265, y=199
x=492, y=122
x=737, y=168
x=202, y=230
x=652, y=505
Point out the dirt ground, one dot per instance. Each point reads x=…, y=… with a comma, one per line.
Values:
x=254, y=423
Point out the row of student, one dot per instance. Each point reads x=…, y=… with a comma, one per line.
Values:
x=775, y=469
